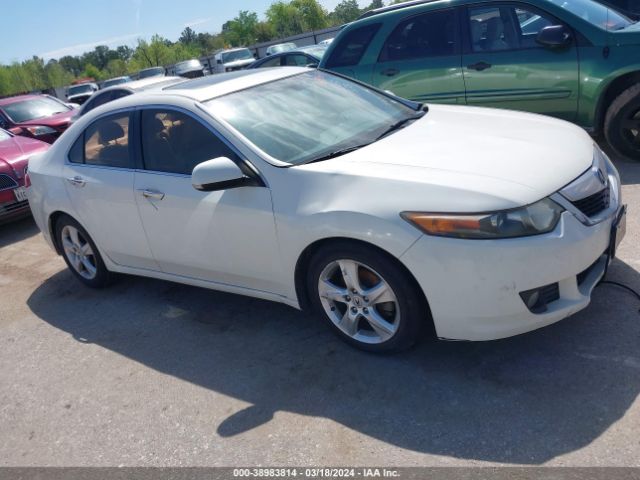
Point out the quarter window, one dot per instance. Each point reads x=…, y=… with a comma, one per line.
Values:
x=428, y=35
x=351, y=46
x=106, y=142
x=174, y=142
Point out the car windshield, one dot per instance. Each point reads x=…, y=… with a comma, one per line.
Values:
x=4, y=135
x=309, y=116
x=76, y=89
x=33, y=108
x=283, y=47
x=595, y=13
x=151, y=72
x=237, y=55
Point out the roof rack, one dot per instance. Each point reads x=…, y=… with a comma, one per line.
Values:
x=393, y=7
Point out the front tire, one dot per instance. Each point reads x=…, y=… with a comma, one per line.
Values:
x=81, y=254
x=622, y=123
x=367, y=298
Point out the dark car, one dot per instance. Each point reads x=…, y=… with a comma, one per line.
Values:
x=300, y=57
x=36, y=116
x=109, y=94
x=14, y=155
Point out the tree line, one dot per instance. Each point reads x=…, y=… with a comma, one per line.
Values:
x=282, y=19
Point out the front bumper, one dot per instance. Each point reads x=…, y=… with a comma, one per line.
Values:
x=13, y=211
x=473, y=286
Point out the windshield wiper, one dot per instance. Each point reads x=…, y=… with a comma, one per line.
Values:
x=400, y=124
x=337, y=153
x=396, y=126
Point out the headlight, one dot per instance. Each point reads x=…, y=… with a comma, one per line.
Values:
x=42, y=130
x=534, y=219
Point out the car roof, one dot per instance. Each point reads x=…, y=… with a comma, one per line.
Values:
x=206, y=88
x=18, y=98
x=392, y=7
x=145, y=83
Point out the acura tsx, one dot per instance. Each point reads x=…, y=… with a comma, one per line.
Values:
x=387, y=217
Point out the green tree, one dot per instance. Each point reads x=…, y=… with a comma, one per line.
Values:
x=346, y=11
x=56, y=75
x=92, y=71
x=314, y=16
x=154, y=53
x=188, y=36
x=116, y=68
x=242, y=29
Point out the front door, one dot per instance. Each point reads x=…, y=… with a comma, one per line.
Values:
x=506, y=68
x=226, y=236
x=420, y=60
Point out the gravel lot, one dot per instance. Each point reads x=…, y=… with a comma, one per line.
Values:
x=153, y=373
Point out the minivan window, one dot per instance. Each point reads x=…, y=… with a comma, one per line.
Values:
x=428, y=35
x=351, y=46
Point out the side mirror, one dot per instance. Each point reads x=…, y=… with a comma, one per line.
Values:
x=220, y=174
x=554, y=36
x=219, y=61
x=311, y=65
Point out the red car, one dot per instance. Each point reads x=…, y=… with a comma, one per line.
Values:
x=36, y=116
x=14, y=155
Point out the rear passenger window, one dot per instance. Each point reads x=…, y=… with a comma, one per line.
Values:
x=352, y=46
x=429, y=35
x=107, y=142
x=174, y=142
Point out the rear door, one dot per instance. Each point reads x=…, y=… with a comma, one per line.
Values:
x=99, y=178
x=421, y=60
x=504, y=67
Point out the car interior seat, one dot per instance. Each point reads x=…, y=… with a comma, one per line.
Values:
x=115, y=145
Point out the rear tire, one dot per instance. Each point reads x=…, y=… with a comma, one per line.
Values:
x=81, y=254
x=622, y=123
x=382, y=310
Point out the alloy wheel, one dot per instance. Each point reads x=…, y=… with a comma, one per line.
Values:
x=78, y=251
x=359, y=301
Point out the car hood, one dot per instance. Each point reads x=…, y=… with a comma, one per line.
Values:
x=15, y=151
x=56, y=120
x=475, y=159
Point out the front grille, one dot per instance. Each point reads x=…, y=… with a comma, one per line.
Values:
x=593, y=204
x=7, y=182
x=537, y=299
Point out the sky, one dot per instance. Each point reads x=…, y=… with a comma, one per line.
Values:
x=52, y=29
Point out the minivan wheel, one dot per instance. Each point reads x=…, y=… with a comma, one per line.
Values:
x=366, y=297
x=622, y=123
x=81, y=254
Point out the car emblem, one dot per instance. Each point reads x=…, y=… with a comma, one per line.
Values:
x=601, y=176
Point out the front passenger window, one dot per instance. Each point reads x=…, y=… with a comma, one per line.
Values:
x=492, y=29
x=174, y=142
x=429, y=35
x=107, y=142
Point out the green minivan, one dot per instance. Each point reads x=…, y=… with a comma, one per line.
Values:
x=573, y=59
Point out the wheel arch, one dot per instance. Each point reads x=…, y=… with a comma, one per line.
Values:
x=307, y=254
x=51, y=227
x=611, y=91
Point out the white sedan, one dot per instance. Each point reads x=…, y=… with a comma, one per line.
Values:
x=307, y=188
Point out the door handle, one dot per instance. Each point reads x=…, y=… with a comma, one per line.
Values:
x=479, y=66
x=151, y=194
x=76, y=181
x=390, y=72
